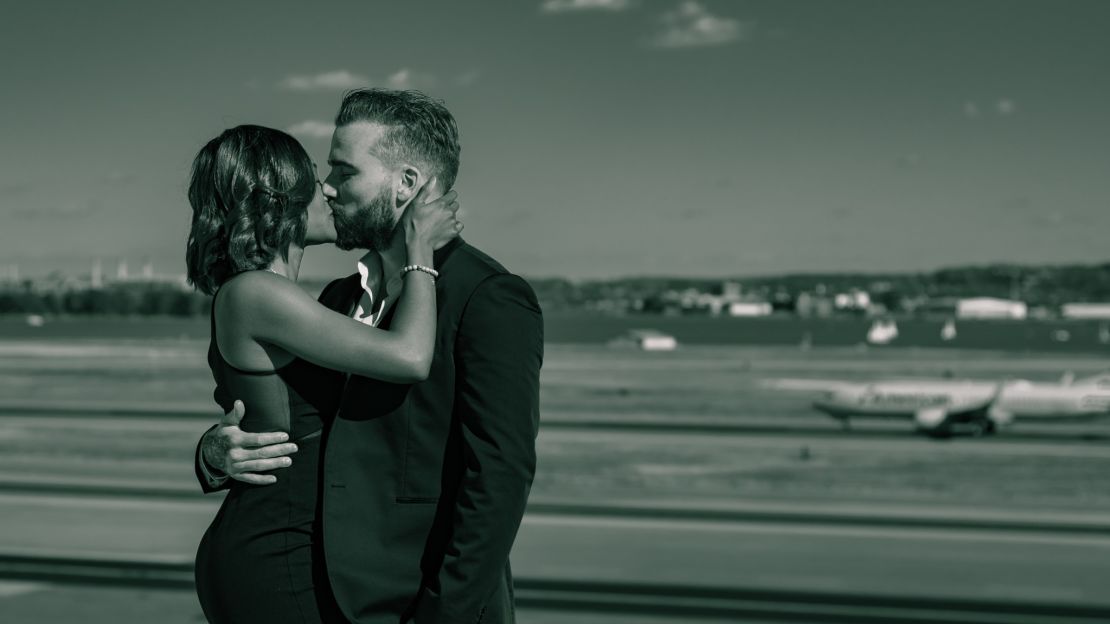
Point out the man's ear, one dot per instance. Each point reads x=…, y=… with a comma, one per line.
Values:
x=409, y=184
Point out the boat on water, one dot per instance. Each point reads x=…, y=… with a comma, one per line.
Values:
x=882, y=332
x=645, y=340
x=948, y=332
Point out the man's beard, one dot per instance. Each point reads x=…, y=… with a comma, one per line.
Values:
x=370, y=227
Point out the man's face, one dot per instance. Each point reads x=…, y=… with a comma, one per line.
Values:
x=360, y=188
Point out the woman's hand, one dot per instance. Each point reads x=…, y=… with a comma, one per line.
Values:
x=432, y=223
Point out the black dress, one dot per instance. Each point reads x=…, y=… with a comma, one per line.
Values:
x=261, y=559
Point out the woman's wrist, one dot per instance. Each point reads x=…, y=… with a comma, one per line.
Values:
x=421, y=253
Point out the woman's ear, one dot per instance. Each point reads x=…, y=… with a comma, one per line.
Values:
x=409, y=183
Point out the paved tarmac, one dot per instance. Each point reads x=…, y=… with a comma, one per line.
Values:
x=891, y=561
x=46, y=603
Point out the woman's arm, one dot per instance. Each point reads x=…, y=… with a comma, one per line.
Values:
x=280, y=313
x=271, y=309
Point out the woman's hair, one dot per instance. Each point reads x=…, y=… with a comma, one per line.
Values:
x=250, y=188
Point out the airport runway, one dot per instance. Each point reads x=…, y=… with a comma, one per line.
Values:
x=52, y=603
x=153, y=457
x=751, y=556
x=811, y=425
x=117, y=489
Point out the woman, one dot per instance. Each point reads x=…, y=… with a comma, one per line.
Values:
x=256, y=205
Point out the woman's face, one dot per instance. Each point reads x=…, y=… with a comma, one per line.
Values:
x=320, y=227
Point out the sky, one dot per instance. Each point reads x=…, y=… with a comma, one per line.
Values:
x=601, y=138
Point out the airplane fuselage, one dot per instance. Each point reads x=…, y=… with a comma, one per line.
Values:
x=938, y=403
x=898, y=399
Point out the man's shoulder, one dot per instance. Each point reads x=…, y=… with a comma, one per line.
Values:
x=468, y=258
x=469, y=270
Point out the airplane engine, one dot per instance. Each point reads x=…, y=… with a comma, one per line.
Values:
x=933, y=420
x=998, y=418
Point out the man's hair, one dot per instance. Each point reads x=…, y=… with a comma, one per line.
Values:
x=420, y=130
x=249, y=190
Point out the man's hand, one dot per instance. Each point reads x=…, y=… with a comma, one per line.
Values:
x=241, y=455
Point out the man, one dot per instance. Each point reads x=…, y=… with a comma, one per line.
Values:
x=424, y=486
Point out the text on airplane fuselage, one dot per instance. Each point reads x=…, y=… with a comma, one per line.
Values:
x=917, y=399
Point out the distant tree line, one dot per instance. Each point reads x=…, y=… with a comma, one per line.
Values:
x=1036, y=285
x=145, y=299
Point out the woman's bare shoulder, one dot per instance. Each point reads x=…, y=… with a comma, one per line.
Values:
x=257, y=291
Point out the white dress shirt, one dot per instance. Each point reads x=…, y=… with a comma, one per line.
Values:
x=372, y=269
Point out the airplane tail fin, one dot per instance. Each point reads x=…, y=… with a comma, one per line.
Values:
x=1100, y=380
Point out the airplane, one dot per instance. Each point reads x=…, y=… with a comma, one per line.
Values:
x=943, y=407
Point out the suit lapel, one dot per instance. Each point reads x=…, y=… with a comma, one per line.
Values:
x=344, y=296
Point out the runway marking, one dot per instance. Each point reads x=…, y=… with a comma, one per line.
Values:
x=154, y=424
x=870, y=532
x=114, y=503
x=911, y=444
x=9, y=589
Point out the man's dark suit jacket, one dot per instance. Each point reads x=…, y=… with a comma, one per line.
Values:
x=424, y=486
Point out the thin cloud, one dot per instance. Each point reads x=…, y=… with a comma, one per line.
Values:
x=1003, y=107
x=1051, y=219
x=468, y=78
x=566, y=6
x=120, y=179
x=67, y=210
x=405, y=78
x=312, y=129
x=326, y=81
x=908, y=161
x=15, y=189
x=692, y=25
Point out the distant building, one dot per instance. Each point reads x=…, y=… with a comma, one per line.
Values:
x=96, y=276
x=991, y=308
x=935, y=306
x=731, y=290
x=813, y=304
x=854, y=299
x=749, y=308
x=645, y=339
x=1096, y=311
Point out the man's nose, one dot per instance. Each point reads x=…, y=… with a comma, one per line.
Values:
x=329, y=191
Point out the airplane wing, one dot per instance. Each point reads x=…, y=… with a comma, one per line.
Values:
x=804, y=385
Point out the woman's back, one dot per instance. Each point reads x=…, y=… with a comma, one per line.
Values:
x=262, y=548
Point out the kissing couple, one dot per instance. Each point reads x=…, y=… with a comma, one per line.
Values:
x=378, y=444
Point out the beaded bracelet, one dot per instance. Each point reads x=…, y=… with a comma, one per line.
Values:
x=419, y=267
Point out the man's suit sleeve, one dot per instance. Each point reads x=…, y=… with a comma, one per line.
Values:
x=208, y=482
x=498, y=354
x=208, y=479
